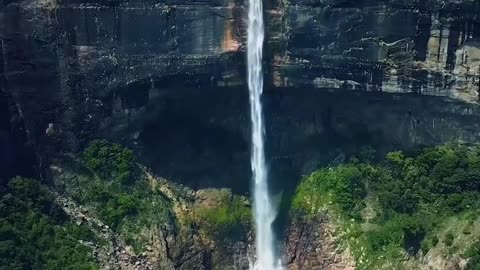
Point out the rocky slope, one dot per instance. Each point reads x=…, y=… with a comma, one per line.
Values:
x=189, y=242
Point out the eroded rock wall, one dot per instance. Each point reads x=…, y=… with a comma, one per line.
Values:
x=423, y=47
x=167, y=79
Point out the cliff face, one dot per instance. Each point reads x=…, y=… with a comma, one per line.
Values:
x=167, y=78
x=423, y=47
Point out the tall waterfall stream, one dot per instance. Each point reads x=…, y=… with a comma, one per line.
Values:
x=264, y=211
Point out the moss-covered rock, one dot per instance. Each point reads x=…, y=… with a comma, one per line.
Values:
x=219, y=214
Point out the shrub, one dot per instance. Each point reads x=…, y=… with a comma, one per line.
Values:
x=448, y=241
x=30, y=238
x=119, y=174
x=120, y=193
x=344, y=185
x=473, y=255
x=111, y=161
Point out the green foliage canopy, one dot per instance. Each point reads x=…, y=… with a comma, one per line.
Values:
x=119, y=192
x=111, y=161
x=409, y=194
x=34, y=231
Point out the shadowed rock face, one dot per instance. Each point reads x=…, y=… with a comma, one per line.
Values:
x=202, y=137
x=167, y=79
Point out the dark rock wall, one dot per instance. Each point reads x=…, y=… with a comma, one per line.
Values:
x=17, y=157
x=63, y=59
x=201, y=137
x=167, y=79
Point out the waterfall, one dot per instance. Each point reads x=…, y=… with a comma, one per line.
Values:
x=264, y=212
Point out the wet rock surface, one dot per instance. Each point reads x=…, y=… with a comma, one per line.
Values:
x=311, y=243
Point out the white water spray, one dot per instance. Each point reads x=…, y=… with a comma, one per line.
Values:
x=264, y=212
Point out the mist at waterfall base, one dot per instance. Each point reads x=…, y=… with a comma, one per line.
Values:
x=264, y=212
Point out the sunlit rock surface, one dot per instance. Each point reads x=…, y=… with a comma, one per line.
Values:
x=422, y=47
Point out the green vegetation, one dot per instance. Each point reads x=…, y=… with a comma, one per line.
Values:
x=111, y=161
x=474, y=254
x=343, y=186
x=400, y=206
x=35, y=233
x=222, y=217
x=118, y=191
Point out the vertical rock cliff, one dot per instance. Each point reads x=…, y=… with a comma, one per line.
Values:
x=145, y=72
x=167, y=79
x=422, y=47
